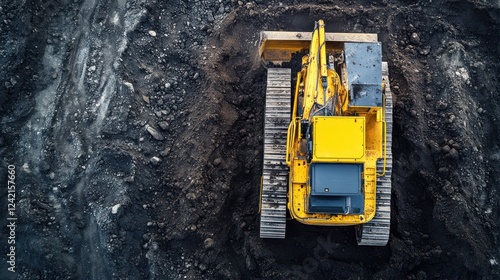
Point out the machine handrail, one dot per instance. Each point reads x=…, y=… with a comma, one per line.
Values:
x=289, y=142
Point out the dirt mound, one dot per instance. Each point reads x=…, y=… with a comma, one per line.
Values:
x=136, y=131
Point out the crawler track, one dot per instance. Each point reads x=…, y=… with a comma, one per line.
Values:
x=275, y=170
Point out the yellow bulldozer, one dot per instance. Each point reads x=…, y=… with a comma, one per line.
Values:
x=327, y=144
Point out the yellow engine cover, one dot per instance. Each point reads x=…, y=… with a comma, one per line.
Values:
x=339, y=139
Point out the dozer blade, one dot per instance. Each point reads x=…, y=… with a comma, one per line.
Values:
x=278, y=46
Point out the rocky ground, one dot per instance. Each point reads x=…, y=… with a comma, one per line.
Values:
x=135, y=129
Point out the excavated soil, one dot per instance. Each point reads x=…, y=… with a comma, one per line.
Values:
x=135, y=128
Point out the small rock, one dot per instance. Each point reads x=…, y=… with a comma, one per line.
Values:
x=129, y=179
x=202, y=267
x=443, y=172
x=434, y=147
x=447, y=188
x=480, y=110
x=192, y=227
x=167, y=85
x=217, y=161
x=145, y=237
x=145, y=98
x=425, y=50
x=453, y=153
x=196, y=75
x=210, y=16
x=413, y=113
x=415, y=39
x=428, y=97
x=115, y=208
x=156, y=135
x=442, y=105
x=129, y=86
x=152, y=33
x=209, y=243
x=436, y=252
x=446, y=149
x=165, y=152
x=163, y=125
x=92, y=68
x=155, y=160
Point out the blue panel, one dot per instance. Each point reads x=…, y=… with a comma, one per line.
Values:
x=336, y=189
x=327, y=204
x=357, y=204
x=337, y=204
x=364, y=73
x=335, y=179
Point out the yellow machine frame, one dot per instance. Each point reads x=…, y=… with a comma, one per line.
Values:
x=359, y=135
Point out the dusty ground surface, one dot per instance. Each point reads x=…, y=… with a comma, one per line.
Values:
x=135, y=130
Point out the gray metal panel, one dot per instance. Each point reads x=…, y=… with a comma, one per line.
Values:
x=364, y=73
x=334, y=179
